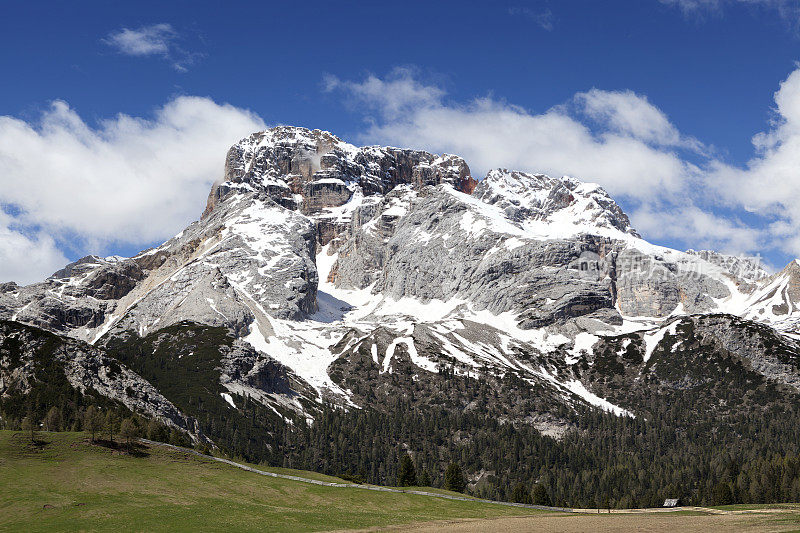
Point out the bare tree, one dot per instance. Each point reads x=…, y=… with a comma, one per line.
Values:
x=52, y=422
x=92, y=421
x=28, y=424
x=129, y=430
x=111, y=421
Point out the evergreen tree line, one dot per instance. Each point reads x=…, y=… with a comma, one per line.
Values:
x=608, y=461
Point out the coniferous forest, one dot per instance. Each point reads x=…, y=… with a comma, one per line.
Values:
x=673, y=449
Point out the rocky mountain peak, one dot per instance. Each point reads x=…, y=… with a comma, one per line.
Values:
x=789, y=278
x=747, y=270
x=562, y=201
x=313, y=171
x=776, y=301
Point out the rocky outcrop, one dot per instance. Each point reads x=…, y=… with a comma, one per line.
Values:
x=250, y=257
x=776, y=299
x=656, y=285
x=537, y=197
x=773, y=356
x=745, y=270
x=24, y=350
x=325, y=192
x=713, y=364
x=436, y=246
x=315, y=172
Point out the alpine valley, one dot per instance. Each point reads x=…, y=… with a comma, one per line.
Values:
x=336, y=307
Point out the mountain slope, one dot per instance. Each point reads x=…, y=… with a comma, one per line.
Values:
x=386, y=280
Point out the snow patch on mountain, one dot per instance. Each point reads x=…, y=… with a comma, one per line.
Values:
x=652, y=340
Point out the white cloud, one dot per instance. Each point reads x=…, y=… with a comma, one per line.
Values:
x=629, y=114
x=491, y=133
x=153, y=40
x=397, y=94
x=707, y=230
x=129, y=180
x=26, y=258
x=135, y=181
x=690, y=6
x=769, y=185
x=144, y=41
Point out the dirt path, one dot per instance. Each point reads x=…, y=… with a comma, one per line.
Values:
x=615, y=522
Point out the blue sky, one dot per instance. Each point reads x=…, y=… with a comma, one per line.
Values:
x=115, y=117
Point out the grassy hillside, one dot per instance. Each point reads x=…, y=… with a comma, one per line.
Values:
x=65, y=483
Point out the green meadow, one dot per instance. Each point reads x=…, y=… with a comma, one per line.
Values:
x=63, y=482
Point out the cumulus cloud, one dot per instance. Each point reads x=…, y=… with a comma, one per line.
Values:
x=633, y=115
x=395, y=95
x=699, y=228
x=769, y=185
x=623, y=156
x=26, y=257
x=153, y=40
x=68, y=184
x=673, y=185
x=127, y=180
x=147, y=40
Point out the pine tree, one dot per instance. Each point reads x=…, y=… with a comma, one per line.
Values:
x=454, y=478
x=129, y=430
x=53, y=419
x=29, y=425
x=425, y=479
x=722, y=494
x=157, y=431
x=406, y=475
x=520, y=494
x=539, y=495
x=111, y=421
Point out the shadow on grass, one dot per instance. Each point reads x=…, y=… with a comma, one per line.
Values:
x=134, y=449
x=32, y=442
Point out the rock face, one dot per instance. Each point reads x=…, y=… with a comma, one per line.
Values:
x=339, y=271
x=249, y=256
x=322, y=176
x=748, y=270
x=437, y=245
x=75, y=298
x=656, y=285
x=24, y=350
x=717, y=363
x=521, y=246
x=776, y=299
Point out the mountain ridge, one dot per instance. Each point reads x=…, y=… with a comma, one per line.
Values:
x=309, y=241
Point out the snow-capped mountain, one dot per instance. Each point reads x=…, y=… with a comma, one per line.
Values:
x=776, y=299
x=356, y=270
